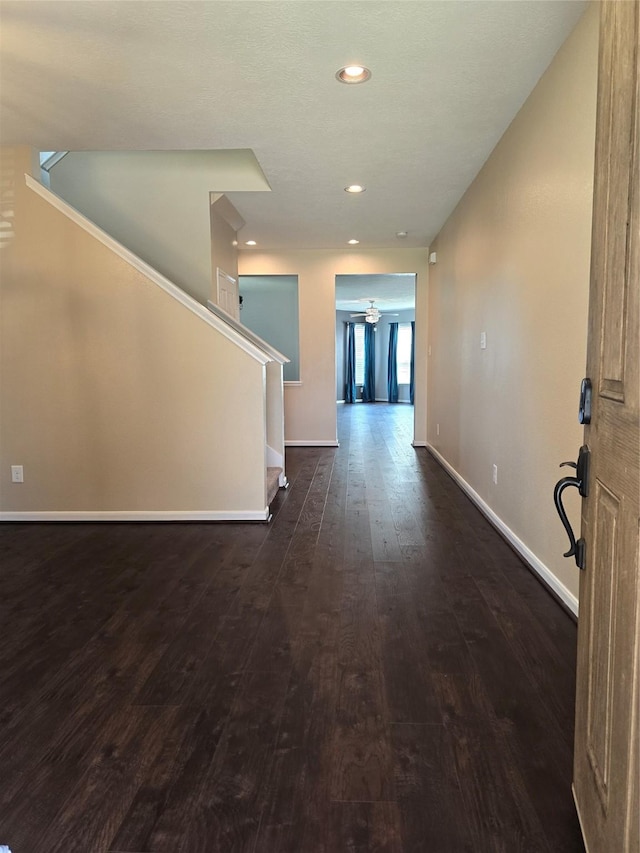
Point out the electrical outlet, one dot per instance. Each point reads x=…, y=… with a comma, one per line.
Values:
x=437, y=429
x=495, y=474
x=483, y=340
x=17, y=474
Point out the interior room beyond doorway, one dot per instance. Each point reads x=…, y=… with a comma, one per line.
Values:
x=375, y=338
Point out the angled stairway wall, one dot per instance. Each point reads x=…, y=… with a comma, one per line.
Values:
x=119, y=399
x=157, y=203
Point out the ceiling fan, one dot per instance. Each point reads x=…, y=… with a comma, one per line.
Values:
x=372, y=314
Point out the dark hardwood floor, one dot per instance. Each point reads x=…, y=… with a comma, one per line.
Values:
x=373, y=671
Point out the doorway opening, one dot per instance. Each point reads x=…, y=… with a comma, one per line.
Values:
x=375, y=338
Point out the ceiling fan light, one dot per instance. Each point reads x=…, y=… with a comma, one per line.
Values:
x=372, y=314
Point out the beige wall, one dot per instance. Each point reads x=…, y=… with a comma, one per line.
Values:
x=310, y=408
x=513, y=261
x=157, y=204
x=114, y=396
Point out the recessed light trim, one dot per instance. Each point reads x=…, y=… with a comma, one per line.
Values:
x=353, y=242
x=351, y=74
x=251, y=243
x=355, y=188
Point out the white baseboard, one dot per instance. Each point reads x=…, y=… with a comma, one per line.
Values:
x=140, y=515
x=543, y=571
x=312, y=443
x=419, y=444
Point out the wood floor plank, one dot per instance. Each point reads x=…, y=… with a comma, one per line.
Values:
x=362, y=761
x=428, y=791
x=272, y=650
x=123, y=755
x=537, y=654
x=296, y=795
x=411, y=696
x=324, y=594
x=496, y=802
x=364, y=828
x=384, y=536
x=227, y=816
x=312, y=694
x=170, y=680
x=163, y=805
x=296, y=800
x=294, y=578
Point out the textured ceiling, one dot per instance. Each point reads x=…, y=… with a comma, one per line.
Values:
x=448, y=77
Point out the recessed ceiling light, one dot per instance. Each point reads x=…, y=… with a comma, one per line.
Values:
x=354, y=188
x=250, y=243
x=353, y=74
x=353, y=242
x=401, y=234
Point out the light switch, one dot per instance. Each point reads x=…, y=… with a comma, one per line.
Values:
x=483, y=340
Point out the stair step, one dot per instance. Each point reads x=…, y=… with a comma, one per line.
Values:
x=273, y=483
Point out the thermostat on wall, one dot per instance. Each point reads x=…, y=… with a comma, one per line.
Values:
x=433, y=258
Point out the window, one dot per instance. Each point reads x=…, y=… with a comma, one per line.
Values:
x=359, y=343
x=403, y=355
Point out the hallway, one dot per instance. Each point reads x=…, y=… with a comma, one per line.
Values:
x=375, y=670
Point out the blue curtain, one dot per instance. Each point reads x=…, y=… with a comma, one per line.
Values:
x=350, y=392
x=369, y=387
x=413, y=358
x=392, y=364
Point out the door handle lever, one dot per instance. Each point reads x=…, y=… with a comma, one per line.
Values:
x=580, y=482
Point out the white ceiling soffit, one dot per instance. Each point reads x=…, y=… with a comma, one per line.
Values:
x=447, y=79
x=223, y=170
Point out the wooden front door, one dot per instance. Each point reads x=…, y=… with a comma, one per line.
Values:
x=606, y=766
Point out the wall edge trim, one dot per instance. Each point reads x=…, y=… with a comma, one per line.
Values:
x=557, y=588
x=148, y=271
x=138, y=515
